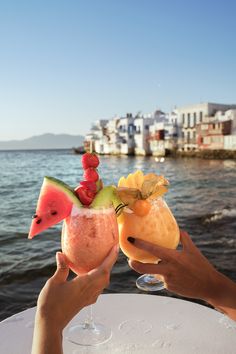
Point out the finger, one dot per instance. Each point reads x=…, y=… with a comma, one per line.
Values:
x=166, y=254
x=107, y=264
x=62, y=270
x=186, y=240
x=148, y=268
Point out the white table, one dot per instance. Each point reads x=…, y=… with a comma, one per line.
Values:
x=163, y=325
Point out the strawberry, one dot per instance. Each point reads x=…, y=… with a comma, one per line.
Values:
x=90, y=174
x=89, y=160
x=89, y=185
x=85, y=196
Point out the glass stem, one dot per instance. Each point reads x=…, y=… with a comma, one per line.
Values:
x=88, y=323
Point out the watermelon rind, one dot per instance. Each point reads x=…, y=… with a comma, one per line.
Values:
x=45, y=215
x=64, y=188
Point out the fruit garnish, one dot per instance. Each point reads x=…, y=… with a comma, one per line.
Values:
x=137, y=186
x=106, y=197
x=141, y=207
x=99, y=185
x=89, y=160
x=128, y=195
x=55, y=202
x=160, y=192
x=85, y=195
x=90, y=174
x=90, y=185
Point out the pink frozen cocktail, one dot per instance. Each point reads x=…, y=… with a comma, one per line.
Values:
x=87, y=237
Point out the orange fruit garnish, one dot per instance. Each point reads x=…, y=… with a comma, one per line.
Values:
x=141, y=207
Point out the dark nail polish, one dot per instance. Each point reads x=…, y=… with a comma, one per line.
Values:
x=131, y=239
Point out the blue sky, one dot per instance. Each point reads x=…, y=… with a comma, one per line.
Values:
x=64, y=64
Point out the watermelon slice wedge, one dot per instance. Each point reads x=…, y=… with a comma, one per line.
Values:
x=55, y=202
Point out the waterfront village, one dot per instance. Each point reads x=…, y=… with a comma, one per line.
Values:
x=204, y=127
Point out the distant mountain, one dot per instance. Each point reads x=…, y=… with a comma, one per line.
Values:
x=44, y=141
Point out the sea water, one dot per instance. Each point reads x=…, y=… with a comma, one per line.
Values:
x=201, y=197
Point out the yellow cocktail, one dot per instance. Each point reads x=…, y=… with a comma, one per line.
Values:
x=147, y=217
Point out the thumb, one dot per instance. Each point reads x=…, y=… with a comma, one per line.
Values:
x=62, y=270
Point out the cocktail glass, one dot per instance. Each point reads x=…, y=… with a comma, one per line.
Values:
x=87, y=237
x=159, y=227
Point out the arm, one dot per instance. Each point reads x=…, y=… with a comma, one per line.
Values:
x=60, y=300
x=190, y=274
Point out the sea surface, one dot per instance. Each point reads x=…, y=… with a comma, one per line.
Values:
x=201, y=196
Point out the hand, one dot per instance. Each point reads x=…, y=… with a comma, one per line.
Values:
x=60, y=300
x=186, y=272
x=189, y=273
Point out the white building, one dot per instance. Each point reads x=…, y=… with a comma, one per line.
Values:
x=141, y=135
x=194, y=114
x=114, y=138
x=164, y=134
x=125, y=130
x=97, y=137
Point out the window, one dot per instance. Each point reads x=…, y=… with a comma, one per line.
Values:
x=206, y=140
x=200, y=116
x=194, y=119
x=188, y=137
x=183, y=117
x=188, y=119
x=130, y=129
x=146, y=127
x=194, y=136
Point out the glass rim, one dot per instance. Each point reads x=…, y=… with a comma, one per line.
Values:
x=86, y=210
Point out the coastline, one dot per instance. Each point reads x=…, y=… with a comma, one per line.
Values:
x=206, y=154
x=202, y=154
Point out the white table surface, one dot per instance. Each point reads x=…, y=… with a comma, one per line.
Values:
x=163, y=325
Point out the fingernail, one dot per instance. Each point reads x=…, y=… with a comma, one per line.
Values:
x=131, y=239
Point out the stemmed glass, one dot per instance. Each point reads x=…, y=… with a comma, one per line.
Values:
x=159, y=227
x=87, y=237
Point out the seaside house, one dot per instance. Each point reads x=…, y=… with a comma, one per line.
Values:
x=211, y=132
x=193, y=115
x=125, y=134
x=163, y=134
x=230, y=140
x=97, y=137
x=141, y=134
x=218, y=132
x=113, y=137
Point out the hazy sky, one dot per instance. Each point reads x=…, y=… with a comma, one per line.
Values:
x=66, y=63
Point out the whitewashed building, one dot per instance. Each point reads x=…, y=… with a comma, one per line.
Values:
x=164, y=134
x=97, y=137
x=141, y=135
x=193, y=115
x=114, y=139
x=125, y=130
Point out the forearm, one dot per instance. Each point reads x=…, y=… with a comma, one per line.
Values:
x=46, y=339
x=224, y=297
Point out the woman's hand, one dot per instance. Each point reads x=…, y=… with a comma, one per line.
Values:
x=60, y=300
x=188, y=273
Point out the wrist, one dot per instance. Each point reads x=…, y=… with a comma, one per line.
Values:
x=220, y=289
x=47, y=323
